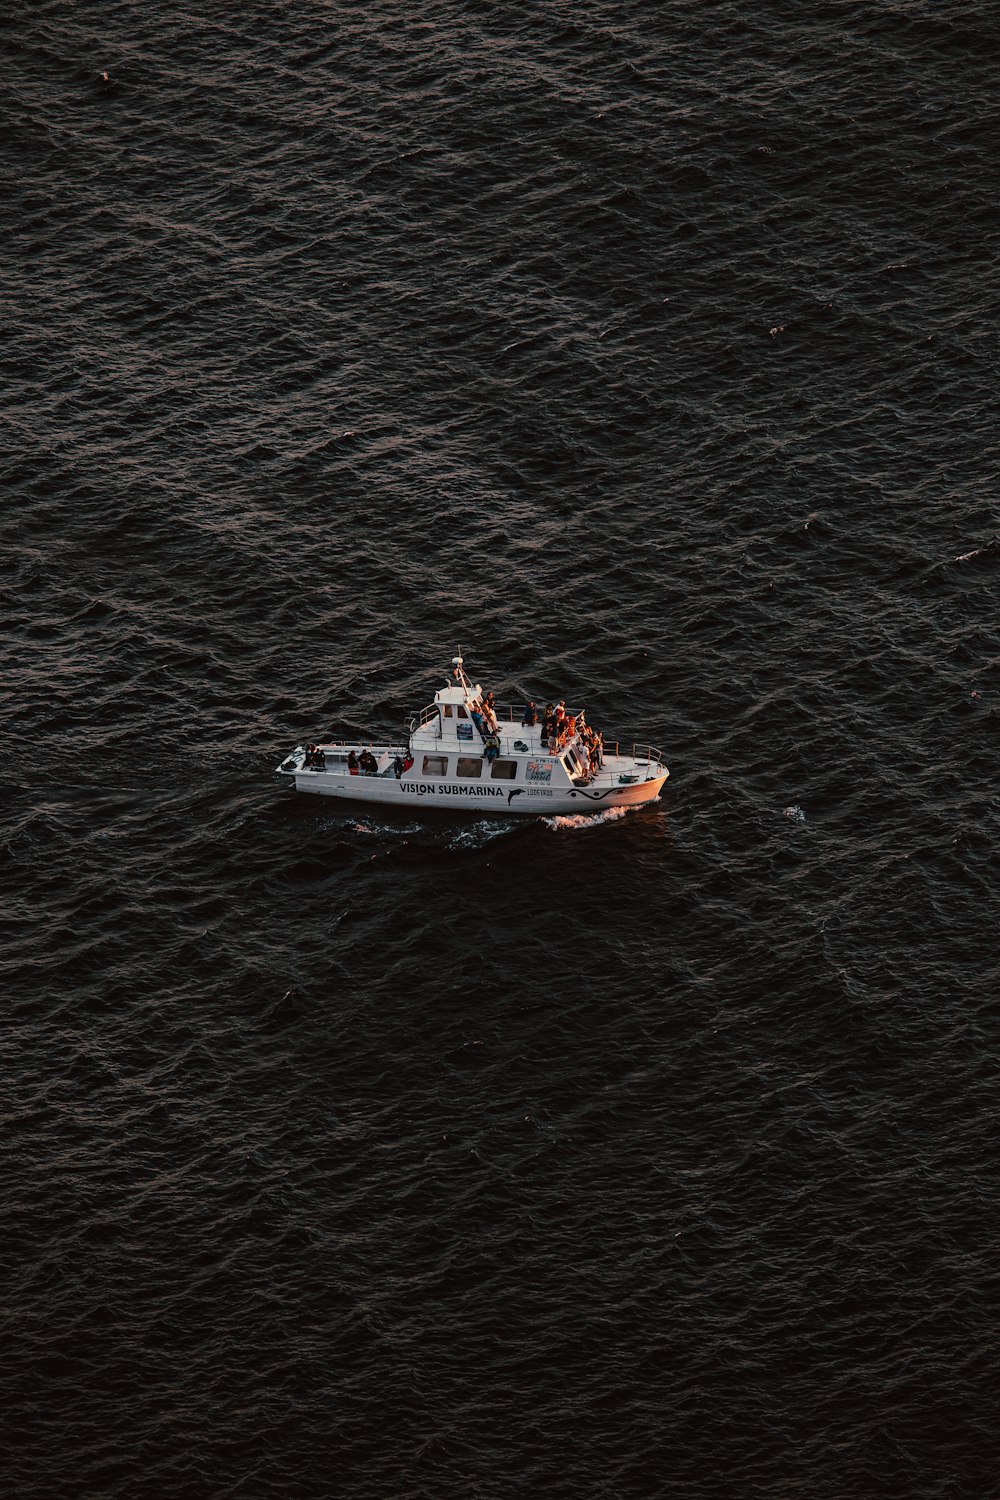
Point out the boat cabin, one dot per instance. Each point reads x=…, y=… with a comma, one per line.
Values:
x=447, y=743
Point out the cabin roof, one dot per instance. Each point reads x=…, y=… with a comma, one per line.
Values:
x=455, y=692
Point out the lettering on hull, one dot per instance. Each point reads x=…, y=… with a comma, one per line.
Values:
x=422, y=788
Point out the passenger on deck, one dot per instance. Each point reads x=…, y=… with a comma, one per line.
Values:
x=530, y=717
x=368, y=763
x=477, y=719
x=490, y=713
x=492, y=748
x=407, y=762
x=397, y=766
x=352, y=764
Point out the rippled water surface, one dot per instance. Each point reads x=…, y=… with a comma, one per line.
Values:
x=648, y=352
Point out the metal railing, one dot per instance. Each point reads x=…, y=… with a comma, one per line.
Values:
x=637, y=752
x=417, y=721
x=335, y=753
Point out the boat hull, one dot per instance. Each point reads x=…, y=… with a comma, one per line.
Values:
x=527, y=800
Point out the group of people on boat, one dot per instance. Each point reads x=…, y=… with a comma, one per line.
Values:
x=364, y=764
x=315, y=758
x=560, y=729
x=589, y=751
x=484, y=715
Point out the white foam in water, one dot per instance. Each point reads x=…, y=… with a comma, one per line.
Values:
x=479, y=834
x=383, y=830
x=587, y=820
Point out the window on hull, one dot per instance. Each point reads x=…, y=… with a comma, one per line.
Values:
x=435, y=765
x=503, y=770
x=470, y=767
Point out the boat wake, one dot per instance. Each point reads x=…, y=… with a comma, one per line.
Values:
x=480, y=834
x=382, y=830
x=579, y=821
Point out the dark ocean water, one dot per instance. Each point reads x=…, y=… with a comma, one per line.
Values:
x=648, y=352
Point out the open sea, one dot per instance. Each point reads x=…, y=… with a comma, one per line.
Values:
x=648, y=352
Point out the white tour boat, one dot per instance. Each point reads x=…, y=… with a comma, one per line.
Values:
x=464, y=754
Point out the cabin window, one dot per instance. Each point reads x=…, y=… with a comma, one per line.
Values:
x=470, y=767
x=435, y=765
x=461, y=712
x=504, y=770
x=447, y=710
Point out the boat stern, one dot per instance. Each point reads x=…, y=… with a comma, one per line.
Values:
x=292, y=763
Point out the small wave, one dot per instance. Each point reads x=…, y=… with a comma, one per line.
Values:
x=991, y=549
